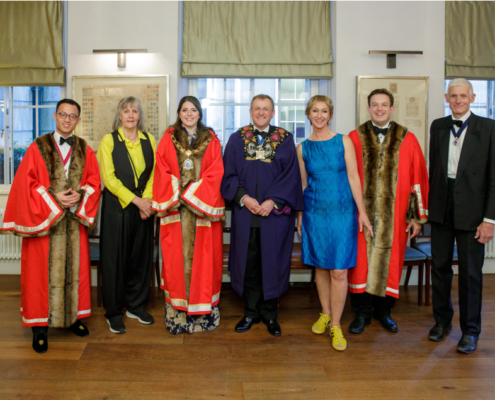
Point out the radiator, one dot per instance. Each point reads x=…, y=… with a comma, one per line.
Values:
x=10, y=245
x=490, y=249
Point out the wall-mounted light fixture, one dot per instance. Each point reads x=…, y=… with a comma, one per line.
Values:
x=121, y=58
x=391, y=55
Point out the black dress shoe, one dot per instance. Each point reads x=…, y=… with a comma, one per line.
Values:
x=79, y=329
x=357, y=326
x=245, y=324
x=440, y=331
x=273, y=327
x=40, y=342
x=388, y=323
x=467, y=344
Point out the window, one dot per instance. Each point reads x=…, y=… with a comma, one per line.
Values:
x=25, y=114
x=226, y=103
x=484, y=103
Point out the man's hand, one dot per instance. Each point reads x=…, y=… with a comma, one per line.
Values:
x=266, y=208
x=144, y=206
x=416, y=228
x=68, y=198
x=251, y=204
x=484, y=232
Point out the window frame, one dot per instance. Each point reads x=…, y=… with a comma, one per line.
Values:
x=315, y=87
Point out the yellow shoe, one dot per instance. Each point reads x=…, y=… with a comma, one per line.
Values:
x=338, y=341
x=320, y=326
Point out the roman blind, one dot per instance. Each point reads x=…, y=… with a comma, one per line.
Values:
x=470, y=39
x=31, y=43
x=257, y=39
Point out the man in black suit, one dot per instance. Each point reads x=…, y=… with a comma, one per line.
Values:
x=461, y=206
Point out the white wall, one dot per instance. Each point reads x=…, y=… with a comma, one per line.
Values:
x=362, y=26
x=124, y=25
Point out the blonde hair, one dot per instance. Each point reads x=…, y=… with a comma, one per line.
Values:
x=316, y=99
x=123, y=104
x=460, y=82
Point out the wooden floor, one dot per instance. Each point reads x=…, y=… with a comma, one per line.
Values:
x=147, y=362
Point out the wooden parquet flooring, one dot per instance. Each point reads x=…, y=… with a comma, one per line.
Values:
x=147, y=362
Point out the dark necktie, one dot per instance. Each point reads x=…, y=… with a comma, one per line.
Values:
x=457, y=122
x=378, y=130
x=68, y=140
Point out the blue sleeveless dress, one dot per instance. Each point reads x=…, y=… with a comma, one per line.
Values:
x=329, y=227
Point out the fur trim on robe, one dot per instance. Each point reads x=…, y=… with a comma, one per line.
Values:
x=380, y=174
x=64, y=256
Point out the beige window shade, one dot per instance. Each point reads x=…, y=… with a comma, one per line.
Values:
x=31, y=43
x=257, y=39
x=470, y=39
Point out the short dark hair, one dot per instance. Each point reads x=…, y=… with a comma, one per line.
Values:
x=381, y=91
x=71, y=102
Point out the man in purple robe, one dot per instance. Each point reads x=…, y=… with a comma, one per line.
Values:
x=263, y=184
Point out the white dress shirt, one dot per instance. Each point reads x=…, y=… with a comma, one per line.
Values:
x=380, y=136
x=455, y=151
x=64, y=150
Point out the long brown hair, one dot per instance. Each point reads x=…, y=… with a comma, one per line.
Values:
x=197, y=104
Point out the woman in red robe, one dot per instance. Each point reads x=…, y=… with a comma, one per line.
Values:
x=186, y=195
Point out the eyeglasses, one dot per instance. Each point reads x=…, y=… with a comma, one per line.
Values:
x=72, y=117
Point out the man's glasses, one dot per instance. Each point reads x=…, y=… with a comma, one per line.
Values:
x=72, y=117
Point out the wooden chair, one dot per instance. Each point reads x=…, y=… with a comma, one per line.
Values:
x=94, y=250
x=425, y=248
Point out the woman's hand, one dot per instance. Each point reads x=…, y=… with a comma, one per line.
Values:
x=363, y=220
x=144, y=206
x=299, y=222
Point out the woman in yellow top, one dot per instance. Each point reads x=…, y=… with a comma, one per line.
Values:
x=127, y=164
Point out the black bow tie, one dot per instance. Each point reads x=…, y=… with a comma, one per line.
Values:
x=68, y=140
x=457, y=122
x=378, y=130
x=263, y=134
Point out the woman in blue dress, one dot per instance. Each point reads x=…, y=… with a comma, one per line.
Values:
x=329, y=223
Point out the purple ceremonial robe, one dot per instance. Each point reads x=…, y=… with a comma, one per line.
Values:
x=278, y=178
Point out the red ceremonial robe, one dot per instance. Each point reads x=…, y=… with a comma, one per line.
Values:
x=55, y=262
x=191, y=226
x=395, y=190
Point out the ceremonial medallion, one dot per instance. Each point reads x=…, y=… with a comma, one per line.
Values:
x=188, y=164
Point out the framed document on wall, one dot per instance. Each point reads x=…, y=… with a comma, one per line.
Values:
x=100, y=95
x=410, y=102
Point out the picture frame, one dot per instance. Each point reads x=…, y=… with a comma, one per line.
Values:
x=99, y=96
x=410, y=102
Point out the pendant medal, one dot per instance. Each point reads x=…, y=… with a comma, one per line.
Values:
x=455, y=142
x=188, y=164
x=260, y=154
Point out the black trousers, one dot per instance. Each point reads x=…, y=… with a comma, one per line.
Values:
x=471, y=254
x=256, y=306
x=364, y=303
x=126, y=253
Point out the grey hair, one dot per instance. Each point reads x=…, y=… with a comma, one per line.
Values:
x=128, y=101
x=460, y=82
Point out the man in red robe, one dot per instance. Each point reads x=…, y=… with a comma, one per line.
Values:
x=395, y=191
x=52, y=203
